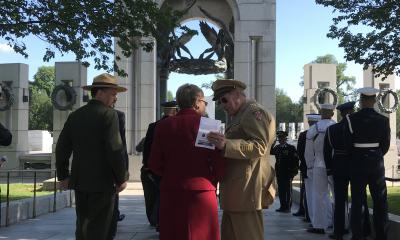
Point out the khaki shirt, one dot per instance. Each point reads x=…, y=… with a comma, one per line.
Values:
x=249, y=136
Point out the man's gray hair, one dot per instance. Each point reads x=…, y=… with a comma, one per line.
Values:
x=187, y=94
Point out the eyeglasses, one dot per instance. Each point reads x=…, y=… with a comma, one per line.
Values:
x=222, y=100
x=205, y=102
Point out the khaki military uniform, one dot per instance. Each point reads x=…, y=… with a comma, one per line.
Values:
x=248, y=139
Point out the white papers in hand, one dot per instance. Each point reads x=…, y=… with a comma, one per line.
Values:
x=207, y=125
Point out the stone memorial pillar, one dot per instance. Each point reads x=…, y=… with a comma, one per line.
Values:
x=391, y=157
x=292, y=131
x=282, y=127
x=14, y=114
x=68, y=95
x=317, y=76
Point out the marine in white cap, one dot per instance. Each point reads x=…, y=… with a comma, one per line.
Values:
x=319, y=200
x=367, y=140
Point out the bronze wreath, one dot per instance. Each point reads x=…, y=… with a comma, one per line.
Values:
x=382, y=94
x=7, y=93
x=70, y=94
x=320, y=91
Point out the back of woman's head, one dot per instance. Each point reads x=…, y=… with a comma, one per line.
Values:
x=186, y=95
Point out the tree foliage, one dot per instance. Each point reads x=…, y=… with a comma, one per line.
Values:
x=369, y=32
x=344, y=84
x=86, y=28
x=40, y=106
x=286, y=110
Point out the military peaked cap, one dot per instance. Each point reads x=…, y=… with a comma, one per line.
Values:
x=170, y=104
x=222, y=86
x=368, y=91
x=346, y=106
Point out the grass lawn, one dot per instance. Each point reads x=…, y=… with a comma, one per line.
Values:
x=393, y=200
x=20, y=191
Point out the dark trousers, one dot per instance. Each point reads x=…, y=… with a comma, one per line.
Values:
x=94, y=213
x=340, y=189
x=151, y=193
x=285, y=191
x=114, y=221
x=375, y=179
x=302, y=209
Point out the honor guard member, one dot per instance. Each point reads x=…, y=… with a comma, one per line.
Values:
x=368, y=139
x=245, y=146
x=312, y=118
x=337, y=163
x=150, y=181
x=320, y=197
x=286, y=167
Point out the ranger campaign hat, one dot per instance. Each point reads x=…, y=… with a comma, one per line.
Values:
x=105, y=80
x=169, y=104
x=368, y=91
x=313, y=117
x=222, y=86
x=346, y=106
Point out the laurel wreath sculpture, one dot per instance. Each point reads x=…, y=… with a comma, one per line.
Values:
x=69, y=93
x=382, y=94
x=321, y=91
x=7, y=94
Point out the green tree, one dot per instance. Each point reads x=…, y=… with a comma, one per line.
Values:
x=170, y=96
x=40, y=106
x=89, y=29
x=286, y=110
x=368, y=31
x=344, y=84
x=398, y=118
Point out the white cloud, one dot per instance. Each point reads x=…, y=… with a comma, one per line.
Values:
x=4, y=48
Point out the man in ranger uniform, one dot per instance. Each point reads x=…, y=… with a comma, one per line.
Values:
x=320, y=200
x=368, y=139
x=286, y=167
x=246, y=146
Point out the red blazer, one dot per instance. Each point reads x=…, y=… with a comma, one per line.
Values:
x=175, y=158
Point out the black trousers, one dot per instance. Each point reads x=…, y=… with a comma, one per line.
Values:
x=285, y=191
x=302, y=203
x=94, y=211
x=377, y=186
x=151, y=193
x=114, y=220
x=340, y=188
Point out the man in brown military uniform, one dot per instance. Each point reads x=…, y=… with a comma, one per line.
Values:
x=246, y=146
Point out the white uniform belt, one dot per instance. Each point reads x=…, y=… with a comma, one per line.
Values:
x=366, y=145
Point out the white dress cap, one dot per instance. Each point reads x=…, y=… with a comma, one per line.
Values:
x=368, y=91
x=313, y=117
x=327, y=106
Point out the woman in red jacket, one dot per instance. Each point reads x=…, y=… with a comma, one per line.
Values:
x=188, y=204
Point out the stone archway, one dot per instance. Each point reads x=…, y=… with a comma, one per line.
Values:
x=254, y=37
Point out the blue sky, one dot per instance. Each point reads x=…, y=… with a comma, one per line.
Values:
x=301, y=36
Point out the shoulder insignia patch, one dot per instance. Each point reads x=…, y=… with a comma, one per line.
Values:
x=258, y=115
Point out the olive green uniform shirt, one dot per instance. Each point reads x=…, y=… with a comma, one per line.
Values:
x=248, y=140
x=91, y=134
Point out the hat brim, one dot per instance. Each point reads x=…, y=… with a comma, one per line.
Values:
x=218, y=94
x=118, y=88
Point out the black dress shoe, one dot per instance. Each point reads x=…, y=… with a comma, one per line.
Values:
x=121, y=217
x=298, y=214
x=284, y=210
x=316, y=230
x=334, y=236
